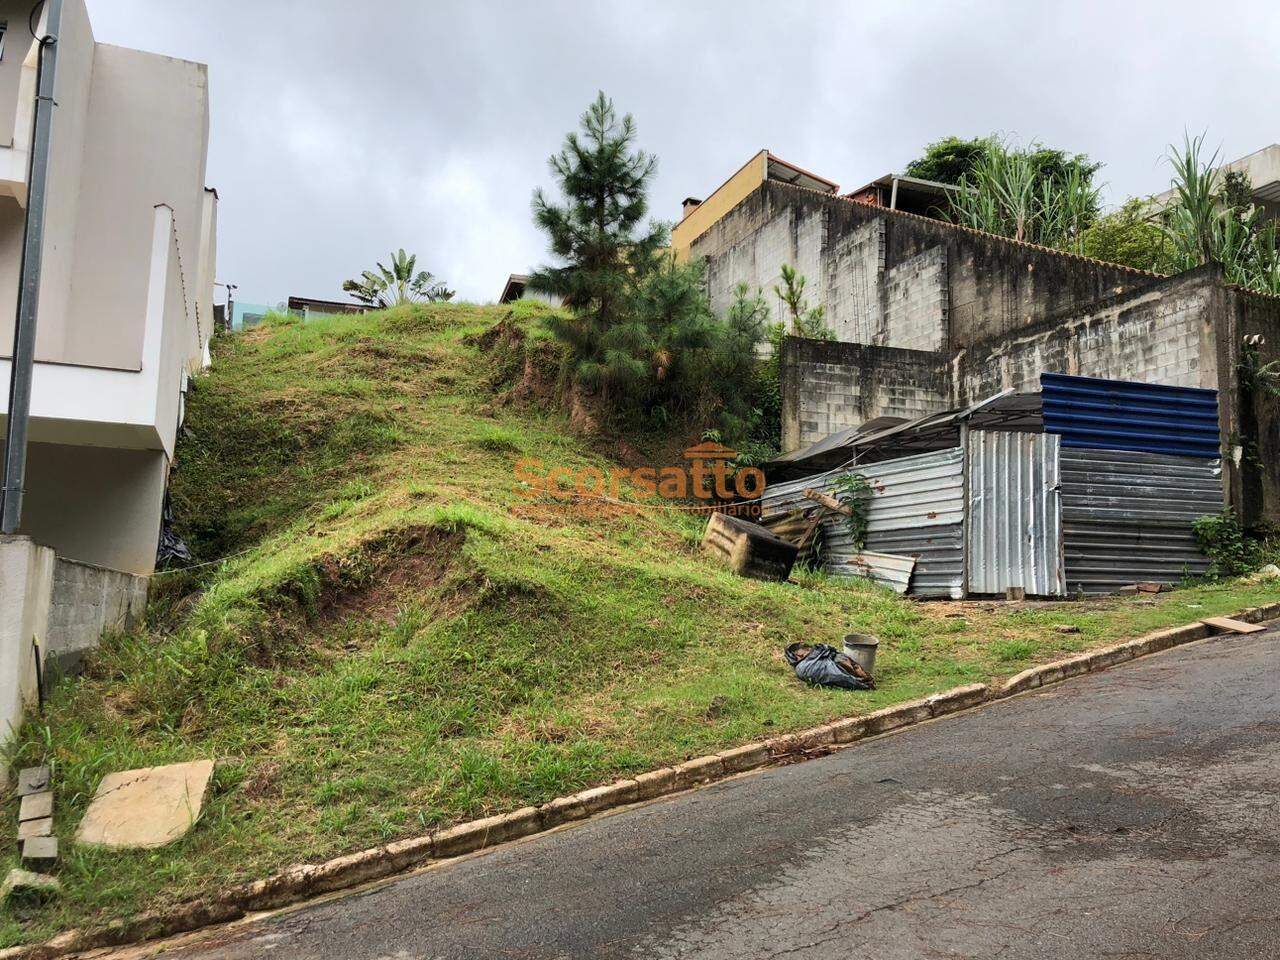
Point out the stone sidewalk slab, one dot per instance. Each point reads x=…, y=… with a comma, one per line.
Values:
x=35, y=828
x=35, y=806
x=32, y=780
x=145, y=808
x=43, y=850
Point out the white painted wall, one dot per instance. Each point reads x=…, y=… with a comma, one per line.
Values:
x=145, y=144
x=118, y=408
x=16, y=42
x=26, y=585
x=126, y=300
x=206, y=274
x=96, y=505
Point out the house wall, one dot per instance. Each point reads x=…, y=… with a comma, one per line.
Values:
x=170, y=326
x=11, y=227
x=147, y=136
x=879, y=272
x=724, y=199
x=17, y=42
x=98, y=505
x=64, y=197
x=828, y=386
x=206, y=273
x=26, y=584
x=130, y=132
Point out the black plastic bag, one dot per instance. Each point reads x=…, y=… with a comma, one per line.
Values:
x=825, y=666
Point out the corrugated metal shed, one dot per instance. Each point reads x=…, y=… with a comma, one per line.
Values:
x=890, y=438
x=1118, y=415
x=1014, y=533
x=1126, y=516
x=916, y=510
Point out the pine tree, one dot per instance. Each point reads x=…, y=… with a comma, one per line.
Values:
x=597, y=234
x=807, y=322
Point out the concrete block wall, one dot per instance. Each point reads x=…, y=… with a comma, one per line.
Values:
x=915, y=293
x=828, y=387
x=1167, y=333
x=86, y=602
x=993, y=286
x=852, y=276
x=1162, y=334
x=757, y=260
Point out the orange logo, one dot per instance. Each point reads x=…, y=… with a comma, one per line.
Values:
x=708, y=475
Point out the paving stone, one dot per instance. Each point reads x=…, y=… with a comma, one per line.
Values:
x=32, y=780
x=146, y=808
x=36, y=806
x=40, y=849
x=24, y=883
x=35, y=828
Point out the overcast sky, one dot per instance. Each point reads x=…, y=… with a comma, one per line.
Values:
x=342, y=130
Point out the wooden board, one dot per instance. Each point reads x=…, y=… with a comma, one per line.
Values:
x=1235, y=626
x=749, y=549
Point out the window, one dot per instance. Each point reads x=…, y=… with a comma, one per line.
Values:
x=4, y=28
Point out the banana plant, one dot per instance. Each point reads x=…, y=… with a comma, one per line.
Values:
x=397, y=284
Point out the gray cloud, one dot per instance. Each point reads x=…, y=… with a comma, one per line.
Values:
x=341, y=131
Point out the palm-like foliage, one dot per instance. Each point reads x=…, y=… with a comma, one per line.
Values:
x=397, y=284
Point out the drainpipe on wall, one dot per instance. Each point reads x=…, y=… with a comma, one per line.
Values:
x=24, y=331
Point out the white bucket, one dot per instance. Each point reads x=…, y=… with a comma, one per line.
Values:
x=862, y=648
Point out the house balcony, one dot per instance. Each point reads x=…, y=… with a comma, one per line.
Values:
x=18, y=60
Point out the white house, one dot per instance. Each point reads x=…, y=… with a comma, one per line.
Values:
x=125, y=312
x=126, y=294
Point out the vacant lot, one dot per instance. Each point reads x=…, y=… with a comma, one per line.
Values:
x=404, y=637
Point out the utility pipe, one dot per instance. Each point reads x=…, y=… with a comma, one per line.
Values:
x=24, y=330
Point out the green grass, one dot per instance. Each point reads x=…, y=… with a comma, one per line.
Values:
x=403, y=637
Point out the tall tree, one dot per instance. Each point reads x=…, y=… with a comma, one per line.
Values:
x=596, y=232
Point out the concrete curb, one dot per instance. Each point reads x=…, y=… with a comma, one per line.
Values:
x=305, y=881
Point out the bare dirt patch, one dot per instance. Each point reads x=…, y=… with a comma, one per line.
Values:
x=372, y=585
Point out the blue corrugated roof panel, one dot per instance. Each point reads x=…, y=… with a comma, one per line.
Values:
x=1120, y=415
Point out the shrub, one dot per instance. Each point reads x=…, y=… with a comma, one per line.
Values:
x=1231, y=551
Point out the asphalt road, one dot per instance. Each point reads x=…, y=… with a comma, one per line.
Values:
x=1131, y=814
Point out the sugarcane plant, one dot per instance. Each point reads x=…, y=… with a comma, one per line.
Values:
x=1213, y=220
x=1007, y=192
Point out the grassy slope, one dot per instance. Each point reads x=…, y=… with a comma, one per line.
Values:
x=361, y=683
